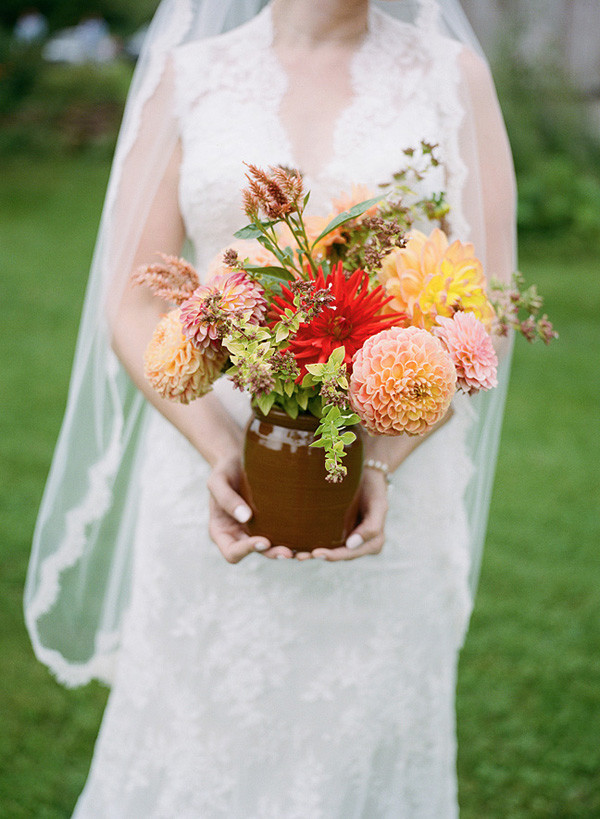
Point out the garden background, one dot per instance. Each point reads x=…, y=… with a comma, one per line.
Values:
x=529, y=678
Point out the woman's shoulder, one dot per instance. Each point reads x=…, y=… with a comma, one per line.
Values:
x=208, y=56
x=408, y=43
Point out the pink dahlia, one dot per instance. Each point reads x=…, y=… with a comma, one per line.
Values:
x=402, y=380
x=210, y=305
x=175, y=367
x=471, y=350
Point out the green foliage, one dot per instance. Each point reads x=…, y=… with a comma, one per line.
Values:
x=556, y=153
x=20, y=68
x=332, y=434
x=66, y=108
x=347, y=216
x=123, y=17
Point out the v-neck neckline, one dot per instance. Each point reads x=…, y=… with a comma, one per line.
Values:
x=343, y=116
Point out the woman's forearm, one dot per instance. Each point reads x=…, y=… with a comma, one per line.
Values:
x=204, y=422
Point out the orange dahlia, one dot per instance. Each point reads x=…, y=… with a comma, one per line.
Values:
x=402, y=380
x=430, y=277
x=175, y=367
x=354, y=314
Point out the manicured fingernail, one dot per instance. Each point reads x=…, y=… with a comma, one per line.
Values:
x=282, y=557
x=320, y=557
x=355, y=541
x=261, y=546
x=242, y=513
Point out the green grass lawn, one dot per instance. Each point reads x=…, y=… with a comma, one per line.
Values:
x=529, y=685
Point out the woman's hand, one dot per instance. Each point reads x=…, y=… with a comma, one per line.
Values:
x=228, y=514
x=368, y=537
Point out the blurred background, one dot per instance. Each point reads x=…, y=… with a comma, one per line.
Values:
x=529, y=681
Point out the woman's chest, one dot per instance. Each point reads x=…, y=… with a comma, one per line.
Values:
x=249, y=116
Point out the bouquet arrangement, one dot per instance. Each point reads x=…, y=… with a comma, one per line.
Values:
x=354, y=317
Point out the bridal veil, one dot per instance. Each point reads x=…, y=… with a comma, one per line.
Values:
x=80, y=570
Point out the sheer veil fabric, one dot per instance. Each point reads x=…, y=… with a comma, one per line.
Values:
x=79, y=580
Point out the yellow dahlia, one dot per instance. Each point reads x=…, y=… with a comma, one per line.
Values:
x=175, y=367
x=430, y=277
x=402, y=380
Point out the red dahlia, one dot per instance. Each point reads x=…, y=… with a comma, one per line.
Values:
x=348, y=321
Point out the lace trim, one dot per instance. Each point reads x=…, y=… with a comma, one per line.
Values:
x=95, y=504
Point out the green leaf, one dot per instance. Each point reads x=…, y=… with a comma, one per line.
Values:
x=315, y=369
x=254, y=230
x=302, y=399
x=337, y=356
x=315, y=406
x=319, y=443
x=289, y=387
x=248, y=232
x=265, y=402
x=281, y=334
x=271, y=272
x=348, y=438
x=348, y=215
x=291, y=407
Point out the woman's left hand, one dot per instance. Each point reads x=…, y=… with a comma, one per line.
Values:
x=368, y=536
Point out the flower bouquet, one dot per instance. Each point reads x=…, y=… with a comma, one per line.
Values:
x=329, y=322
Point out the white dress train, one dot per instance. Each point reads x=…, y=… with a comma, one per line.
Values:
x=277, y=689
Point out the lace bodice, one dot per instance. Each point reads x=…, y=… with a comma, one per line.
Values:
x=228, y=99
x=228, y=102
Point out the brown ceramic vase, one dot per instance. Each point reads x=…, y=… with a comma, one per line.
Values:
x=284, y=484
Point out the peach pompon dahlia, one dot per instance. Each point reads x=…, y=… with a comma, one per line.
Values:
x=229, y=294
x=175, y=367
x=402, y=380
x=430, y=277
x=471, y=350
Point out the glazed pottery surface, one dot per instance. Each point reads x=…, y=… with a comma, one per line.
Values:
x=285, y=484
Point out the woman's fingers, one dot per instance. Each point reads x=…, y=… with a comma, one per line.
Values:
x=371, y=546
x=220, y=485
x=279, y=552
x=368, y=536
x=233, y=542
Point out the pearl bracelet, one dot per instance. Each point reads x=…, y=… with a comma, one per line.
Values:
x=371, y=463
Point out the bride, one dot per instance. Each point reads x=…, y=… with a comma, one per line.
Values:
x=285, y=685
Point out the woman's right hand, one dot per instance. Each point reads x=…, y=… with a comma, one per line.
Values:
x=228, y=514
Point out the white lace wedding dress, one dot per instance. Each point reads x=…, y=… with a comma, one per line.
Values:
x=274, y=689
